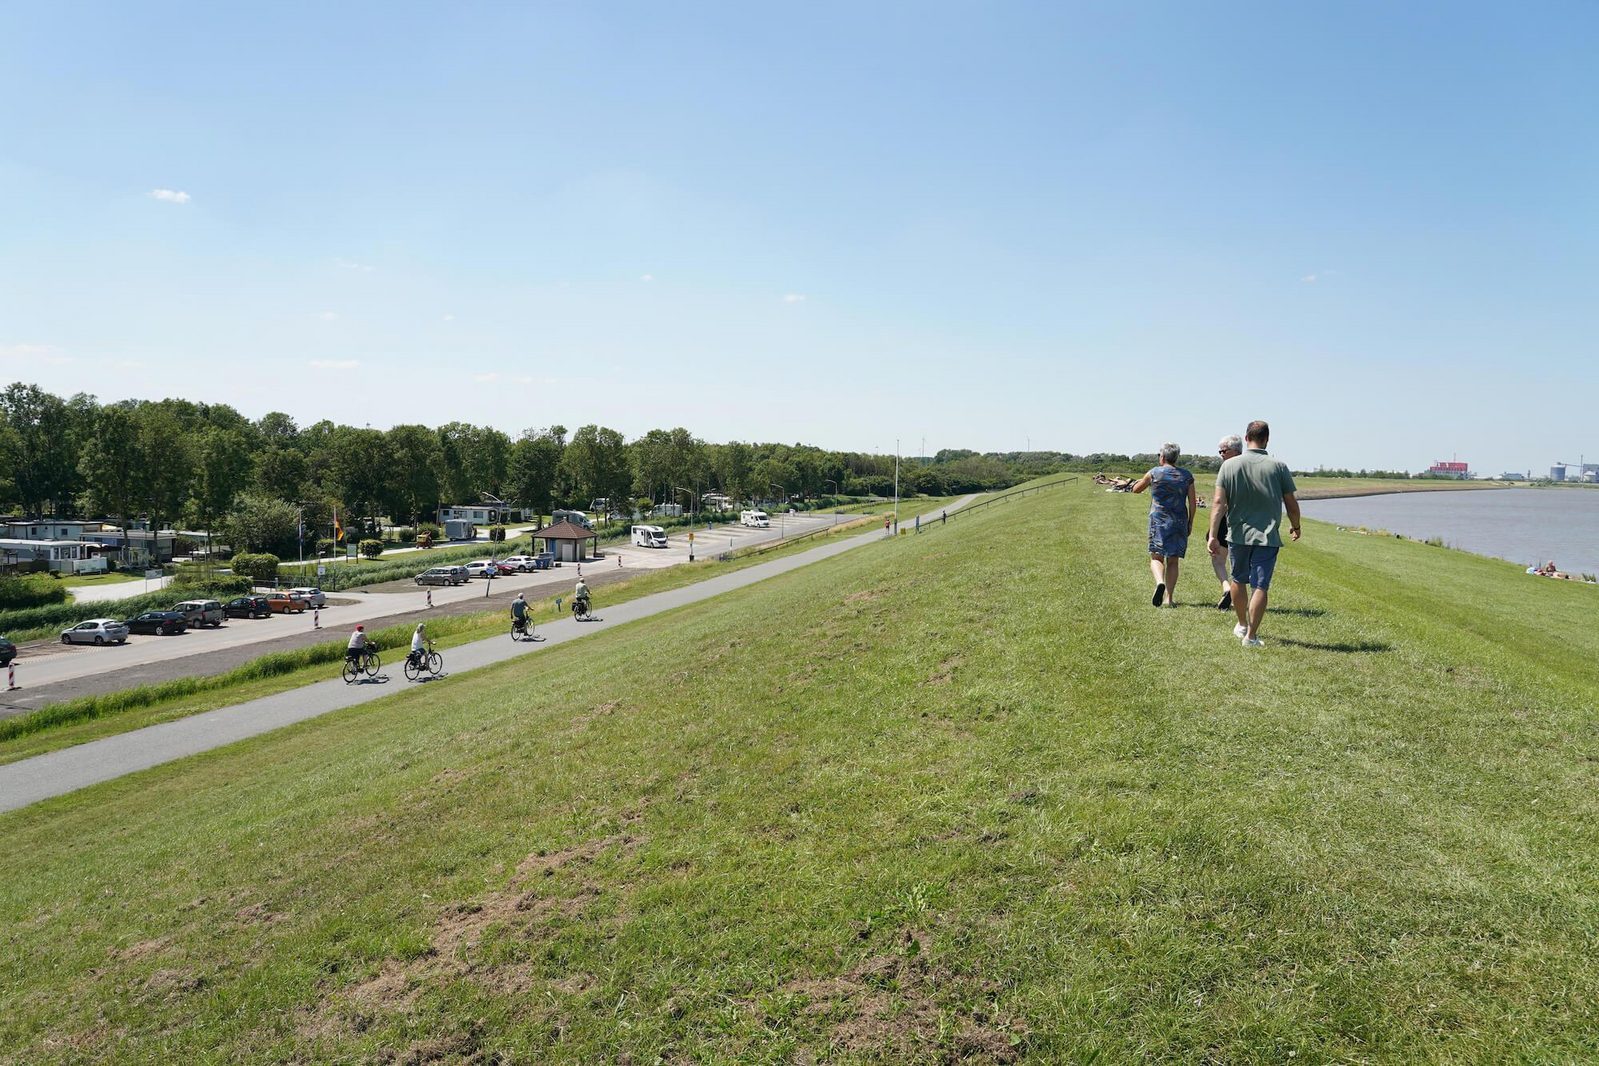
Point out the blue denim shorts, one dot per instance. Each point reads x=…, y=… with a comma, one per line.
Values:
x=1253, y=564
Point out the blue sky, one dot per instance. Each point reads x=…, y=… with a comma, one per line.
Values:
x=1087, y=226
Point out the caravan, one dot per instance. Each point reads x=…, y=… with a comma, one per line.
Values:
x=757, y=519
x=649, y=536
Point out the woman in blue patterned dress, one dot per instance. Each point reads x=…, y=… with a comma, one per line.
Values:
x=1171, y=520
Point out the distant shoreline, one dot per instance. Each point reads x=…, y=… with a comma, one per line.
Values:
x=1336, y=493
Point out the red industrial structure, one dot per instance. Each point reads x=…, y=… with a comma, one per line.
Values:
x=1452, y=469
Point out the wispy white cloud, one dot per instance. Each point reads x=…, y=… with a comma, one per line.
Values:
x=351, y=264
x=335, y=364
x=46, y=354
x=486, y=378
x=447, y=318
x=647, y=277
x=329, y=316
x=169, y=196
x=794, y=298
x=1309, y=279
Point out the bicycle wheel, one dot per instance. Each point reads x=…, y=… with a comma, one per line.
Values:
x=435, y=663
x=351, y=671
x=412, y=670
x=372, y=663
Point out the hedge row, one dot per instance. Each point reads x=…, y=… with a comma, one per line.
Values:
x=35, y=590
x=349, y=575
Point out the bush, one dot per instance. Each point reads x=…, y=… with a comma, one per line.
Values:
x=192, y=576
x=432, y=529
x=404, y=534
x=22, y=592
x=496, y=534
x=371, y=548
x=324, y=546
x=184, y=545
x=262, y=568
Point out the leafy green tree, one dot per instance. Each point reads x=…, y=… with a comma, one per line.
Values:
x=533, y=468
x=222, y=468
x=411, y=482
x=598, y=463
x=262, y=523
x=42, y=463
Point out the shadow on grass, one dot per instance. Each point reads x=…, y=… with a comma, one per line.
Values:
x=1349, y=647
x=1297, y=612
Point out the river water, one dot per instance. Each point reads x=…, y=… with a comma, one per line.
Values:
x=1526, y=526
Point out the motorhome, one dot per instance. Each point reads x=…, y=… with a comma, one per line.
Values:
x=575, y=517
x=649, y=536
x=755, y=518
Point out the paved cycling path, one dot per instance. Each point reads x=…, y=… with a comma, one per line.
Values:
x=60, y=772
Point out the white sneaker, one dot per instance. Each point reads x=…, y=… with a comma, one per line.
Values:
x=1240, y=631
x=1254, y=642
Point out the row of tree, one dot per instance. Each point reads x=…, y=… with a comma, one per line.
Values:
x=209, y=467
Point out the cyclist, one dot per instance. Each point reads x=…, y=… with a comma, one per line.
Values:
x=581, y=594
x=519, y=613
x=357, y=645
x=419, y=645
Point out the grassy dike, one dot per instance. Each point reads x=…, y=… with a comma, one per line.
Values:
x=963, y=795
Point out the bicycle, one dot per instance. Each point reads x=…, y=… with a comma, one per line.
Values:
x=367, y=663
x=581, y=611
x=427, y=662
x=523, y=630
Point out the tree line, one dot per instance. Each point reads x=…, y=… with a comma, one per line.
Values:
x=262, y=481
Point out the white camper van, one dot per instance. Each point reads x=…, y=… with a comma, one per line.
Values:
x=755, y=518
x=649, y=536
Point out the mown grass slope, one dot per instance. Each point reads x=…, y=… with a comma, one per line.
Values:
x=963, y=795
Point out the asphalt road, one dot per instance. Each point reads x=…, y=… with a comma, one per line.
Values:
x=60, y=772
x=49, y=672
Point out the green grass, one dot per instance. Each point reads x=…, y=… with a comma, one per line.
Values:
x=110, y=577
x=86, y=718
x=919, y=803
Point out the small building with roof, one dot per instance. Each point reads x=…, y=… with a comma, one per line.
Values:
x=568, y=541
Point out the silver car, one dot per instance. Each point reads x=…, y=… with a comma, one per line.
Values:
x=314, y=596
x=96, y=631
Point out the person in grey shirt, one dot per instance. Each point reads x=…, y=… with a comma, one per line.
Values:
x=1227, y=448
x=1252, y=491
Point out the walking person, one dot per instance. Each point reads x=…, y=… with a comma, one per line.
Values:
x=1172, y=506
x=1252, y=491
x=1226, y=448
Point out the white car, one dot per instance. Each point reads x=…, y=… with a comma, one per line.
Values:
x=314, y=596
x=96, y=631
x=482, y=568
x=523, y=563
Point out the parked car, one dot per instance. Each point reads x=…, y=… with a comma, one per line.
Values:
x=201, y=612
x=96, y=631
x=481, y=568
x=521, y=563
x=158, y=622
x=314, y=596
x=8, y=651
x=247, y=607
x=441, y=575
x=283, y=603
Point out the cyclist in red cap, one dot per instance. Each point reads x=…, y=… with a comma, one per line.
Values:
x=357, y=645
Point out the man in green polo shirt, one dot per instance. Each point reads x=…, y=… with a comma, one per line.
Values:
x=1252, y=490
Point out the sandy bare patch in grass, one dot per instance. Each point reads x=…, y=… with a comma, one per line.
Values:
x=895, y=1007
x=546, y=889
